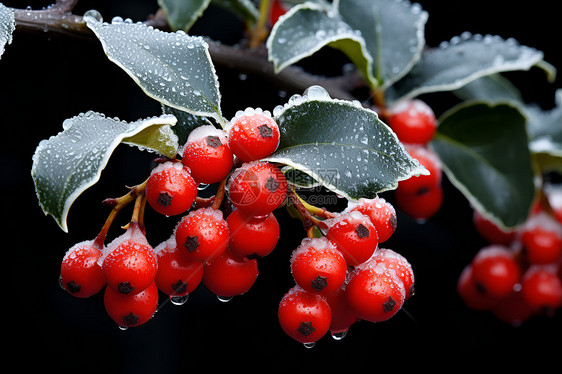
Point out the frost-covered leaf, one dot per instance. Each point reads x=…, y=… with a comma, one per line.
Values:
x=7, y=27
x=173, y=68
x=545, y=128
x=160, y=139
x=464, y=59
x=491, y=88
x=246, y=9
x=485, y=154
x=186, y=122
x=68, y=163
x=393, y=31
x=343, y=146
x=182, y=14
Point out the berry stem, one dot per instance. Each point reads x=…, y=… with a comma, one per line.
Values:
x=219, y=196
x=308, y=219
x=260, y=32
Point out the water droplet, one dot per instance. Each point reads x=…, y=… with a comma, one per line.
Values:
x=93, y=15
x=224, y=299
x=309, y=345
x=122, y=328
x=339, y=335
x=202, y=186
x=60, y=283
x=179, y=300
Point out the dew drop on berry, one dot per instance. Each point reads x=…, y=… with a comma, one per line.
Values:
x=179, y=300
x=224, y=299
x=339, y=335
x=309, y=345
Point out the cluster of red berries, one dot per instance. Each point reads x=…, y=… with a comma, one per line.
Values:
x=205, y=247
x=414, y=123
x=518, y=275
x=344, y=276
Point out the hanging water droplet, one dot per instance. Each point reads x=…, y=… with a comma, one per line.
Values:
x=60, y=283
x=94, y=15
x=339, y=335
x=122, y=328
x=309, y=345
x=224, y=299
x=179, y=300
x=202, y=186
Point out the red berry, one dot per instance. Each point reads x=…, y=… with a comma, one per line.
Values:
x=470, y=292
x=230, y=275
x=342, y=314
x=208, y=155
x=277, y=10
x=421, y=205
x=542, y=289
x=304, y=316
x=129, y=263
x=374, y=292
x=403, y=269
x=491, y=231
x=253, y=237
x=413, y=121
x=513, y=309
x=541, y=237
x=431, y=162
x=257, y=188
x=253, y=134
x=202, y=234
x=354, y=236
x=177, y=274
x=318, y=266
x=381, y=213
x=80, y=273
x=131, y=310
x=170, y=189
x=495, y=270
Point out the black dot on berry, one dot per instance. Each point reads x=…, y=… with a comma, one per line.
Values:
x=362, y=231
x=389, y=304
x=422, y=190
x=164, y=199
x=253, y=256
x=319, y=283
x=130, y=319
x=306, y=328
x=213, y=141
x=180, y=286
x=72, y=287
x=265, y=131
x=271, y=184
x=480, y=288
x=125, y=287
x=191, y=243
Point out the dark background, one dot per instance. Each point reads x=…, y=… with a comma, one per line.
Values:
x=47, y=79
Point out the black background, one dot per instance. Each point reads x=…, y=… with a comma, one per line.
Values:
x=46, y=79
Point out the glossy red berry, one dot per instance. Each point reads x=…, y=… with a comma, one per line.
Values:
x=131, y=310
x=513, y=309
x=420, y=205
x=422, y=182
x=381, y=213
x=253, y=237
x=542, y=288
x=318, y=266
x=202, y=234
x=257, y=188
x=304, y=316
x=80, y=273
x=207, y=154
x=403, y=269
x=495, y=270
x=253, y=134
x=470, y=292
x=277, y=10
x=177, y=274
x=354, y=236
x=129, y=263
x=541, y=237
x=490, y=231
x=170, y=189
x=342, y=314
x=374, y=292
x=413, y=121
x=230, y=275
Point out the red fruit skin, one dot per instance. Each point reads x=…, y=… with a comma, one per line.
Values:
x=381, y=213
x=431, y=161
x=253, y=136
x=374, y=293
x=318, y=266
x=80, y=272
x=403, y=269
x=473, y=297
x=542, y=288
x=342, y=315
x=304, y=316
x=257, y=188
x=202, y=234
x=277, y=10
x=496, y=270
x=355, y=237
x=513, y=309
x=170, y=189
x=420, y=206
x=413, y=121
x=131, y=310
x=255, y=237
x=177, y=274
x=492, y=232
x=208, y=155
x=229, y=275
x=541, y=246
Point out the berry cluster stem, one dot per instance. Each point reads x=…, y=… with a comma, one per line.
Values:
x=260, y=31
x=308, y=213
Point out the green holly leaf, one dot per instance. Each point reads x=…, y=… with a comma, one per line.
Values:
x=341, y=145
x=545, y=128
x=182, y=14
x=70, y=162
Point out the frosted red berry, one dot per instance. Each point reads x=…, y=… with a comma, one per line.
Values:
x=253, y=134
x=202, y=234
x=318, y=266
x=490, y=231
x=541, y=237
x=431, y=161
x=381, y=213
x=420, y=205
x=542, y=288
x=470, y=292
x=253, y=237
x=403, y=269
x=230, y=275
x=257, y=188
x=170, y=189
x=413, y=121
x=354, y=235
x=342, y=314
x=304, y=316
x=495, y=270
x=131, y=310
x=207, y=154
x=80, y=273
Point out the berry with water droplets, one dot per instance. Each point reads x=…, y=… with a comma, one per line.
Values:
x=230, y=275
x=381, y=213
x=413, y=121
x=131, y=310
x=253, y=135
x=253, y=237
x=170, y=189
x=80, y=273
